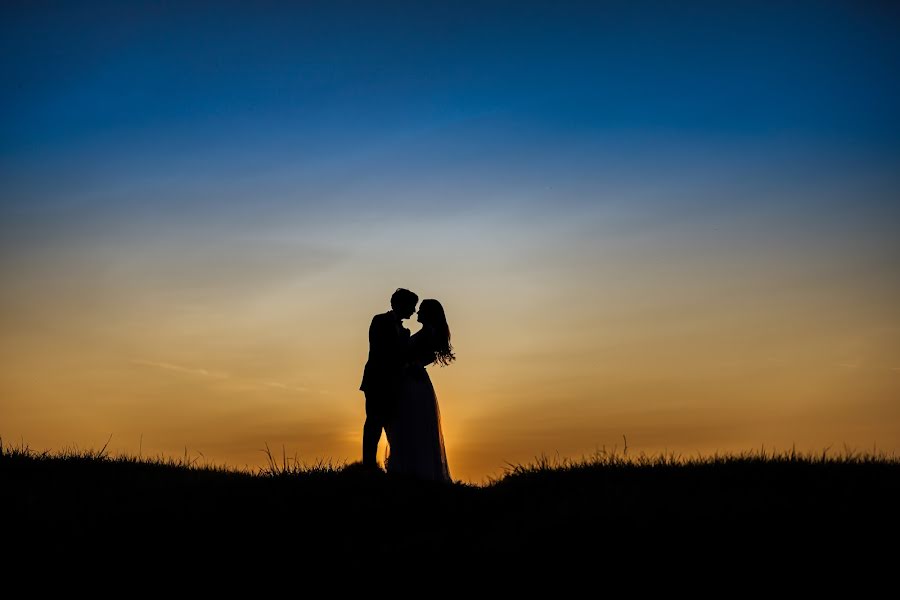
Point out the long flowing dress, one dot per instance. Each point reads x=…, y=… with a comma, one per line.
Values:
x=416, y=442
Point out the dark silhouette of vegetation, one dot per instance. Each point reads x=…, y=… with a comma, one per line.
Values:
x=605, y=509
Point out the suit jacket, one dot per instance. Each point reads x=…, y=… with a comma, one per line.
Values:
x=387, y=354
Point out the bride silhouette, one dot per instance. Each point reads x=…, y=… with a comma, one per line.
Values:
x=416, y=442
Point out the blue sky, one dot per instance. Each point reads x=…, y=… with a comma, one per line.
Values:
x=284, y=75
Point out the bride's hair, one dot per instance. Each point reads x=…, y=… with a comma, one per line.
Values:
x=434, y=315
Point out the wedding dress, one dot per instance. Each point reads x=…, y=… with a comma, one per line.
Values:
x=415, y=439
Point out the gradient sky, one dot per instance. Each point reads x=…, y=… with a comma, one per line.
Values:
x=673, y=221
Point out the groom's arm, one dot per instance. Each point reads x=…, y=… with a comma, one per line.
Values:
x=381, y=339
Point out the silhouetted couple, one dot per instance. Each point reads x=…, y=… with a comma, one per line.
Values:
x=399, y=395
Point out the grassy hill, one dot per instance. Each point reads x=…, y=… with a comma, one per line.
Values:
x=609, y=509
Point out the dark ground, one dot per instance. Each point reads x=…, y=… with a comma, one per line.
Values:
x=609, y=512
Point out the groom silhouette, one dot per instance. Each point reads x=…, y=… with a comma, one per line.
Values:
x=383, y=373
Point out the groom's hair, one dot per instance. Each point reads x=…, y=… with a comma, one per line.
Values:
x=404, y=298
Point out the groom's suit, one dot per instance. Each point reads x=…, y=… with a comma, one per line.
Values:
x=382, y=377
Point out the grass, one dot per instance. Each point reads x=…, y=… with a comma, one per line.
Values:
x=614, y=460
x=601, y=507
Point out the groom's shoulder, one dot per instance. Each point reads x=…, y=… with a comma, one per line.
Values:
x=381, y=318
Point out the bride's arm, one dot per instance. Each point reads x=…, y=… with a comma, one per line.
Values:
x=418, y=350
x=406, y=346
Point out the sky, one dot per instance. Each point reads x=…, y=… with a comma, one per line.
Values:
x=666, y=224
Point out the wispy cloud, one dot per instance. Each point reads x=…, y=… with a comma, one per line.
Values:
x=866, y=367
x=181, y=369
x=268, y=384
x=282, y=386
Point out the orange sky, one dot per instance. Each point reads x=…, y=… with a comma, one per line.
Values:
x=570, y=333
